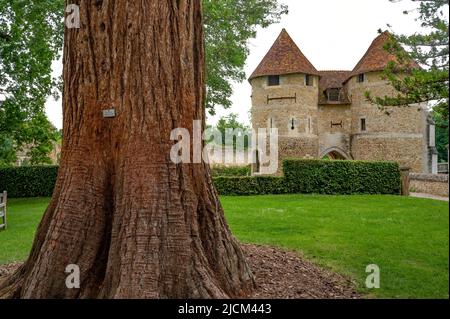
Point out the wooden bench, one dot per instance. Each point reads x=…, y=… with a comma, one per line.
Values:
x=3, y=198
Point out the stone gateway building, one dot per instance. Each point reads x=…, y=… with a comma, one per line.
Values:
x=325, y=114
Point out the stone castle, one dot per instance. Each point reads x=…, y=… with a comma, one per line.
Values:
x=325, y=114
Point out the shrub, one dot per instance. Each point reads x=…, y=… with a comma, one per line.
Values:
x=28, y=181
x=256, y=185
x=300, y=176
x=342, y=177
x=231, y=171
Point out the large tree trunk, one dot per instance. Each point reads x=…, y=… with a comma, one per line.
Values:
x=137, y=225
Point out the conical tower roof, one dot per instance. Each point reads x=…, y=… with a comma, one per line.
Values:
x=284, y=58
x=377, y=57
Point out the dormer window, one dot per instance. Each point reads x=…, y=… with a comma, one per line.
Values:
x=361, y=78
x=273, y=80
x=309, y=80
x=333, y=95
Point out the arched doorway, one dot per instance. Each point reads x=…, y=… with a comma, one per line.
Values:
x=335, y=153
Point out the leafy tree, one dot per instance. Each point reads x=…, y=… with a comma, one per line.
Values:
x=431, y=49
x=231, y=122
x=137, y=224
x=31, y=35
x=228, y=26
x=441, y=136
x=7, y=153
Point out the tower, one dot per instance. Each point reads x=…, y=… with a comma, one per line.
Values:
x=285, y=96
x=327, y=114
x=393, y=133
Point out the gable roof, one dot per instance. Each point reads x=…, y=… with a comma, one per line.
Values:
x=284, y=57
x=377, y=57
x=333, y=80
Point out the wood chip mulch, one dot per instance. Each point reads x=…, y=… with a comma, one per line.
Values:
x=284, y=275
x=280, y=275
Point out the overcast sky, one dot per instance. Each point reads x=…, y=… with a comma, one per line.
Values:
x=333, y=34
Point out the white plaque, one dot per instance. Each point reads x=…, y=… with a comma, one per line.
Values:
x=109, y=113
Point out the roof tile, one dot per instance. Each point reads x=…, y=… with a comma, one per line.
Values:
x=377, y=57
x=284, y=58
x=333, y=80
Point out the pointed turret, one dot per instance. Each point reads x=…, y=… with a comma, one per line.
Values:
x=284, y=58
x=377, y=57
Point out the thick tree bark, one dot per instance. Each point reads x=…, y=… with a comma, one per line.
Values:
x=137, y=225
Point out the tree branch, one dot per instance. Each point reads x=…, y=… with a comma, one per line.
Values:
x=5, y=36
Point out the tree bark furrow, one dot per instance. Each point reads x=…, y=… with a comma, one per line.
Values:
x=137, y=225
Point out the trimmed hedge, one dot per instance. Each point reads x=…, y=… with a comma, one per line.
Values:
x=231, y=171
x=342, y=177
x=300, y=176
x=28, y=181
x=256, y=185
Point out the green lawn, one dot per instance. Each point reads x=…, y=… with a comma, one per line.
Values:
x=407, y=238
x=24, y=216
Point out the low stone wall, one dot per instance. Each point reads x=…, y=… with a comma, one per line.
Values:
x=429, y=184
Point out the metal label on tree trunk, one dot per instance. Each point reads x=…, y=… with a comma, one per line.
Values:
x=110, y=113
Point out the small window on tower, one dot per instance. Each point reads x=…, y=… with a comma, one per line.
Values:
x=274, y=80
x=363, y=125
x=309, y=80
x=257, y=162
x=361, y=78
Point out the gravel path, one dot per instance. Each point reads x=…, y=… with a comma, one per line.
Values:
x=280, y=275
x=429, y=196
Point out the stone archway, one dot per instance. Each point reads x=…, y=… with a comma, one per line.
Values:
x=335, y=153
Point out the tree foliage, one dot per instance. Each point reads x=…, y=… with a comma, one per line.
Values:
x=230, y=124
x=31, y=35
x=229, y=24
x=430, y=48
x=441, y=136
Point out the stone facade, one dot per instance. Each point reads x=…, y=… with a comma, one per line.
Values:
x=429, y=184
x=311, y=124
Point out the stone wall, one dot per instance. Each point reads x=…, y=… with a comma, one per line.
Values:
x=306, y=130
x=295, y=116
x=300, y=103
x=335, y=136
x=404, y=149
x=430, y=184
x=393, y=133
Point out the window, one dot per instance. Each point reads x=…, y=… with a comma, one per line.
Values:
x=309, y=81
x=432, y=136
x=363, y=125
x=361, y=78
x=257, y=166
x=274, y=80
x=334, y=95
